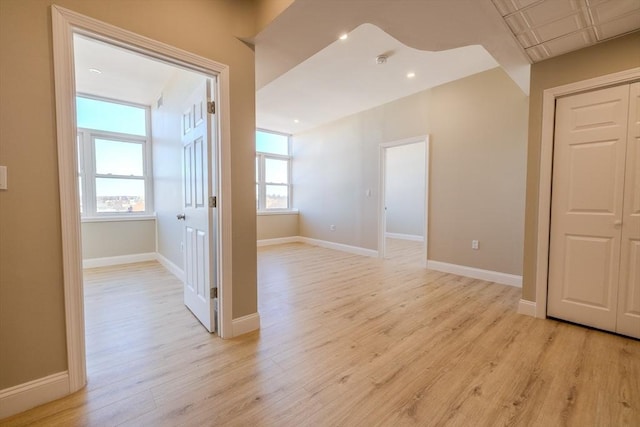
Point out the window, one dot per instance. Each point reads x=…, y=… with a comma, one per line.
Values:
x=114, y=158
x=273, y=171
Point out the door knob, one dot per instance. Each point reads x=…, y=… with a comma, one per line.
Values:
x=181, y=216
x=617, y=223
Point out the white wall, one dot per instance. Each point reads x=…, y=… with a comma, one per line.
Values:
x=405, y=189
x=478, y=136
x=167, y=163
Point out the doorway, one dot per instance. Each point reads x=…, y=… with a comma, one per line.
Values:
x=65, y=24
x=403, y=211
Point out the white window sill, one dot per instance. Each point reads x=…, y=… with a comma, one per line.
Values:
x=116, y=218
x=278, y=212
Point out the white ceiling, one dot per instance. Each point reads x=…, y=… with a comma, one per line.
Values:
x=344, y=78
x=124, y=75
x=303, y=72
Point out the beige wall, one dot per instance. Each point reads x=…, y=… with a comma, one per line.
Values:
x=117, y=238
x=478, y=128
x=277, y=226
x=32, y=328
x=605, y=58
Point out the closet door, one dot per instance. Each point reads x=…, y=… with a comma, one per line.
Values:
x=586, y=207
x=629, y=292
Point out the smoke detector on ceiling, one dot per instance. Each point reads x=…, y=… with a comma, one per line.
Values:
x=381, y=59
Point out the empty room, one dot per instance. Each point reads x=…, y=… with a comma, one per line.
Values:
x=362, y=212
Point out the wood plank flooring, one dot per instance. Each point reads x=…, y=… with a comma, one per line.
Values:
x=345, y=341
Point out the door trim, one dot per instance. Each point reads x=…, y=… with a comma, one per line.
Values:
x=546, y=168
x=64, y=24
x=382, y=167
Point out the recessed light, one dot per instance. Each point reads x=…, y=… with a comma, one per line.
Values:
x=411, y=75
x=296, y=121
x=95, y=70
x=344, y=36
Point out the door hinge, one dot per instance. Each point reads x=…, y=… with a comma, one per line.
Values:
x=214, y=293
x=211, y=107
x=213, y=202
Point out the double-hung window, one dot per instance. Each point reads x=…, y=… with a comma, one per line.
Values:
x=114, y=158
x=273, y=171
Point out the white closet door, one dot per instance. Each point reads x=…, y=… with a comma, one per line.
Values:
x=586, y=210
x=629, y=292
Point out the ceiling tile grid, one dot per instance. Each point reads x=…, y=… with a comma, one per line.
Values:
x=547, y=28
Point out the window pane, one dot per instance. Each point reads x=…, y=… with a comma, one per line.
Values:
x=274, y=143
x=118, y=158
x=109, y=116
x=277, y=197
x=276, y=171
x=119, y=195
x=257, y=170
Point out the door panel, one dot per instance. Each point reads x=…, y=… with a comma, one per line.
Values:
x=586, y=206
x=629, y=294
x=199, y=249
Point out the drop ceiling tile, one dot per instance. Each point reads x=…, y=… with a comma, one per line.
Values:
x=537, y=53
x=517, y=23
x=570, y=42
x=528, y=39
x=625, y=24
x=549, y=11
x=505, y=7
x=559, y=28
x=611, y=10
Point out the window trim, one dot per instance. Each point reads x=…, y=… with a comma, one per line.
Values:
x=261, y=158
x=87, y=172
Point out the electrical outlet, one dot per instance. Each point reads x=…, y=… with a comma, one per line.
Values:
x=332, y=227
x=474, y=244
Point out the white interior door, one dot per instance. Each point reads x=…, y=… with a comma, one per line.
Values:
x=198, y=216
x=629, y=293
x=586, y=207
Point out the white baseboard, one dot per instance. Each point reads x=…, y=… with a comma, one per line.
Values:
x=245, y=324
x=339, y=247
x=14, y=400
x=173, y=269
x=527, y=308
x=412, y=237
x=278, y=241
x=117, y=260
x=476, y=273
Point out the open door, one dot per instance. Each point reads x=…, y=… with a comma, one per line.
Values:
x=198, y=216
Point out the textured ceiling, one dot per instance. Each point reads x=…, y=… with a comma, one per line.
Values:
x=547, y=28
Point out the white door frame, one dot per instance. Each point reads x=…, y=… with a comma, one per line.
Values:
x=64, y=24
x=546, y=169
x=382, y=160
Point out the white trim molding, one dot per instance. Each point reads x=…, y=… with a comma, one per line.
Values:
x=118, y=260
x=22, y=397
x=546, y=168
x=339, y=246
x=170, y=266
x=245, y=324
x=278, y=241
x=400, y=236
x=64, y=24
x=526, y=307
x=476, y=273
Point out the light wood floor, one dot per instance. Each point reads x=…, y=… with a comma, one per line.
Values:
x=345, y=341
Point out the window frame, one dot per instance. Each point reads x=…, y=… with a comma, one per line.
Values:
x=86, y=169
x=261, y=158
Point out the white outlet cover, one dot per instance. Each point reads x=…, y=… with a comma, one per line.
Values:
x=3, y=177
